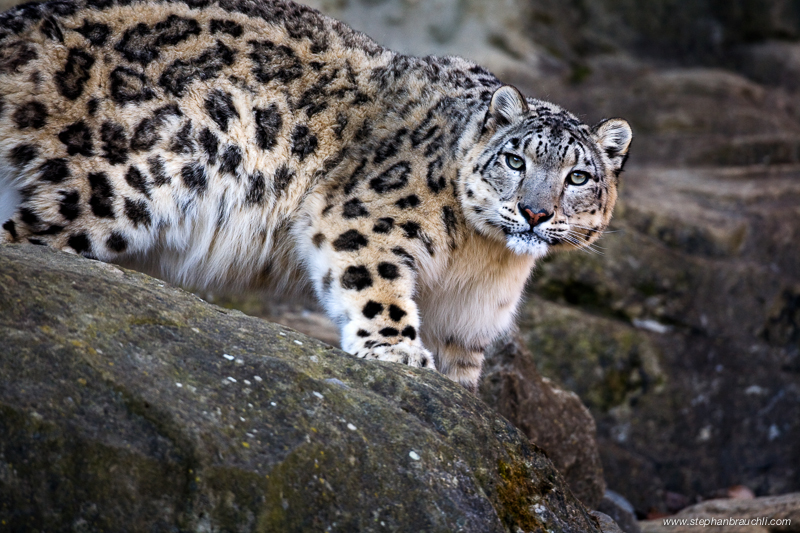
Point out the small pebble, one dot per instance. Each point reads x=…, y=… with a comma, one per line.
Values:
x=258, y=378
x=413, y=455
x=179, y=385
x=752, y=389
x=298, y=343
x=247, y=382
x=337, y=382
x=282, y=334
x=318, y=395
x=273, y=404
x=240, y=361
x=242, y=419
x=351, y=427
x=228, y=357
x=196, y=330
x=232, y=380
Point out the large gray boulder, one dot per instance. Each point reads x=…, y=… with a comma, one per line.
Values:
x=129, y=405
x=554, y=419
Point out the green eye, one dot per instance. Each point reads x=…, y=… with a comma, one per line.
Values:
x=515, y=162
x=577, y=177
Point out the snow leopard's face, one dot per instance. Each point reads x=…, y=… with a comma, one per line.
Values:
x=541, y=179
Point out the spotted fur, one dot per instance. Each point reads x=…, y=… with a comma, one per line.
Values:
x=233, y=143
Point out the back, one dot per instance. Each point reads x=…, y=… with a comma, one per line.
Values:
x=140, y=131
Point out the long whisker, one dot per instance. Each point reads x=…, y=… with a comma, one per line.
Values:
x=571, y=239
x=595, y=229
x=577, y=234
x=577, y=246
x=582, y=241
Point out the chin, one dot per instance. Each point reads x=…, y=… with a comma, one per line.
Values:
x=527, y=244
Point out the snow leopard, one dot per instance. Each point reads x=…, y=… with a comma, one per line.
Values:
x=244, y=144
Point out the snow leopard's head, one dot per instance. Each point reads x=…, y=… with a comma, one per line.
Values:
x=538, y=178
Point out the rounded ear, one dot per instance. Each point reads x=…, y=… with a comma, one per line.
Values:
x=507, y=104
x=614, y=136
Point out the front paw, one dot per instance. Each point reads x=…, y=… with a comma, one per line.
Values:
x=402, y=353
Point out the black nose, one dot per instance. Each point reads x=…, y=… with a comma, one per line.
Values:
x=534, y=218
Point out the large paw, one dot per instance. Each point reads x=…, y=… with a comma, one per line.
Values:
x=405, y=354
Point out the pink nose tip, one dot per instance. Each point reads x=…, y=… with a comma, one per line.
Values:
x=534, y=219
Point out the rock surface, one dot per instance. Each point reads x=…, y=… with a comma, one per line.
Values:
x=775, y=514
x=607, y=524
x=130, y=405
x=554, y=419
x=619, y=509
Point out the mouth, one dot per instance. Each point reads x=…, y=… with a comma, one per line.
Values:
x=523, y=240
x=532, y=235
x=527, y=243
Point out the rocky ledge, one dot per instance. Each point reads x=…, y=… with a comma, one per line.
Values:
x=127, y=404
